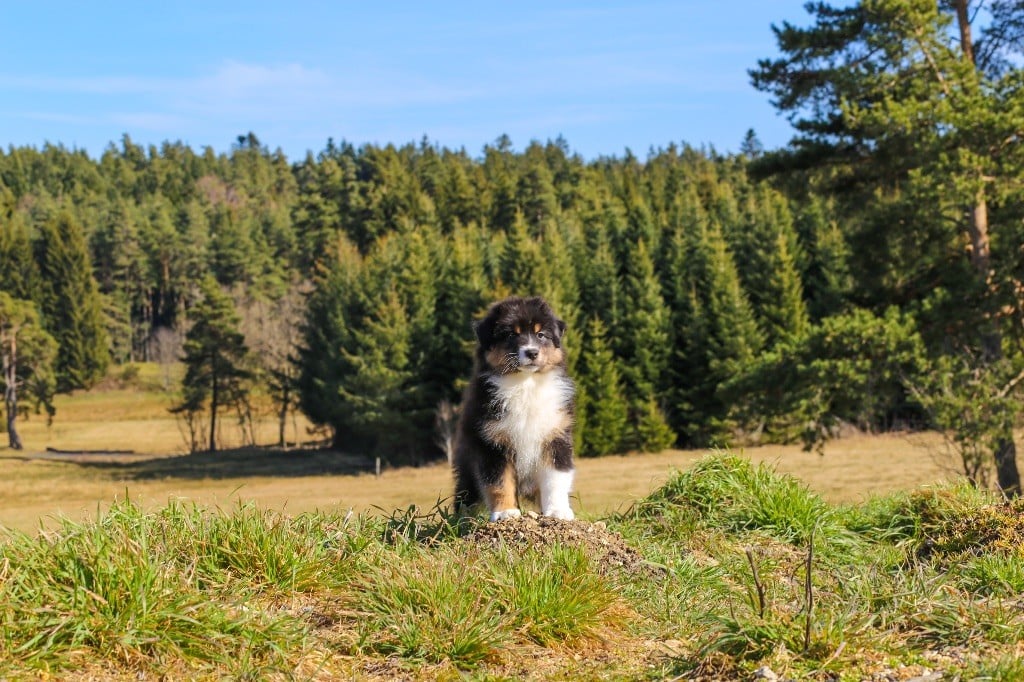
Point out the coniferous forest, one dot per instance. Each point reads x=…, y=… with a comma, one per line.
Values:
x=868, y=274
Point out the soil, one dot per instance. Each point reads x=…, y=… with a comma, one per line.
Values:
x=606, y=549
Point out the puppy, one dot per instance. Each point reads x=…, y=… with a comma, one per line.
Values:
x=514, y=436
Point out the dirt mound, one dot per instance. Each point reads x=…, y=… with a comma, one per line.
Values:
x=606, y=549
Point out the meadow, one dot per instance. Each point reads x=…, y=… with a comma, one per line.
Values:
x=869, y=562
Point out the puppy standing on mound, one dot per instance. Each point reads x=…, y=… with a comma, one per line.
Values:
x=514, y=435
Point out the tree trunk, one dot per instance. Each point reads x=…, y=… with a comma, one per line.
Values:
x=10, y=368
x=213, y=413
x=282, y=418
x=1005, y=454
x=1007, y=474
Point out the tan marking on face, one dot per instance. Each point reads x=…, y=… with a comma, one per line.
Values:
x=499, y=359
x=503, y=495
x=536, y=327
x=518, y=330
x=549, y=358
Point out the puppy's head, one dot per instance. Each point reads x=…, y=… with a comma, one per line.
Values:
x=521, y=335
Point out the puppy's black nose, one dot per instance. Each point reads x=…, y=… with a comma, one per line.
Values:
x=531, y=353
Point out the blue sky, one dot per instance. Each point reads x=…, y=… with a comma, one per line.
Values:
x=605, y=75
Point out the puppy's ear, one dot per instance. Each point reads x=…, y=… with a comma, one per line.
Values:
x=484, y=330
x=559, y=331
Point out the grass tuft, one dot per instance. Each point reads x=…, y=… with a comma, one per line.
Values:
x=108, y=590
x=422, y=609
x=555, y=597
x=260, y=549
x=728, y=492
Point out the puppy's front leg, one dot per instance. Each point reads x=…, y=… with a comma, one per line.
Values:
x=498, y=483
x=556, y=478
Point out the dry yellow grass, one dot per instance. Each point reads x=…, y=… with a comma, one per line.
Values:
x=38, y=487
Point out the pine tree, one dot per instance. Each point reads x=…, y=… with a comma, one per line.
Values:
x=536, y=191
x=71, y=305
x=644, y=342
x=521, y=267
x=19, y=275
x=381, y=389
x=604, y=414
x=333, y=314
x=918, y=134
x=784, y=311
x=217, y=373
x=120, y=270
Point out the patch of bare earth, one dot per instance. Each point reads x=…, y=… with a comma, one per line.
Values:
x=606, y=549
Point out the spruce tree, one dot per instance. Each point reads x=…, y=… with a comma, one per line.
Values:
x=19, y=275
x=604, y=414
x=334, y=312
x=599, y=280
x=784, y=311
x=767, y=252
x=217, y=363
x=381, y=389
x=644, y=341
x=120, y=270
x=71, y=304
x=316, y=217
x=536, y=191
x=521, y=266
x=826, y=275
x=733, y=336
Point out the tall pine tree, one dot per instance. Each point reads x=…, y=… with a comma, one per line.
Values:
x=217, y=372
x=71, y=305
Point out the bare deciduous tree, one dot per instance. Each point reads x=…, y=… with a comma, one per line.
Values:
x=271, y=329
x=445, y=420
x=166, y=348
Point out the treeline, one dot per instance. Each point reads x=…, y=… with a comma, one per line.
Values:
x=704, y=307
x=672, y=272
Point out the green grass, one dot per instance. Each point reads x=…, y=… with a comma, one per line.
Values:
x=116, y=590
x=757, y=571
x=423, y=610
x=555, y=597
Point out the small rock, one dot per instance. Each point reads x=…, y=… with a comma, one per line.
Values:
x=600, y=524
x=533, y=515
x=766, y=673
x=927, y=677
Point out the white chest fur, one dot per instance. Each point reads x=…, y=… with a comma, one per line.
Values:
x=532, y=409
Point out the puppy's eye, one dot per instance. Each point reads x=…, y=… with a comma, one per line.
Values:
x=542, y=335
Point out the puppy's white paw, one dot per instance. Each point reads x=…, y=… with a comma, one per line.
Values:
x=505, y=514
x=563, y=513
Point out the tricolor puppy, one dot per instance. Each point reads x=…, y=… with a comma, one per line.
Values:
x=514, y=436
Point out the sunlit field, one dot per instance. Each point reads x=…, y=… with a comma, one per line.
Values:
x=39, y=486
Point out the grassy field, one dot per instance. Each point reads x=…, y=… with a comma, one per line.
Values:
x=132, y=414
x=865, y=563
x=39, y=487
x=727, y=569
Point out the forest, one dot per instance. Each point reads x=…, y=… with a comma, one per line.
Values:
x=870, y=273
